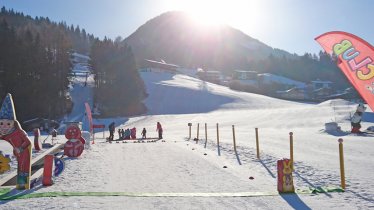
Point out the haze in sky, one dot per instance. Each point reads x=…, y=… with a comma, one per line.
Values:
x=290, y=25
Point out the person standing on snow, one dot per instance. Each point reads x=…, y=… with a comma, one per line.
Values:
x=133, y=133
x=119, y=133
x=36, y=139
x=144, y=133
x=127, y=133
x=356, y=119
x=122, y=134
x=112, y=127
x=54, y=135
x=159, y=129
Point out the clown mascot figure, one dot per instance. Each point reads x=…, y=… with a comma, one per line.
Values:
x=11, y=131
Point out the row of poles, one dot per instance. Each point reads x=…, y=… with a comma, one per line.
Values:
x=341, y=155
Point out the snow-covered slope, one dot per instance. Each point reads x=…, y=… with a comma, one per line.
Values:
x=182, y=166
x=181, y=94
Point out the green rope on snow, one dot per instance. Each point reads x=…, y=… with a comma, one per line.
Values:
x=140, y=194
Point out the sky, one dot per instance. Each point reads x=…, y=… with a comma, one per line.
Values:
x=289, y=25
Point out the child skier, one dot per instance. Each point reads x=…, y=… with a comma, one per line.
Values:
x=122, y=134
x=119, y=133
x=356, y=119
x=54, y=134
x=133, y=133
x=112, y=127
x=144, y=133
x=159, y=129
x=127, y=133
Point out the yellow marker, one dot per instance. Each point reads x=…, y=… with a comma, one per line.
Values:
x=291, y=149
x=342, y=173
x=257, y=144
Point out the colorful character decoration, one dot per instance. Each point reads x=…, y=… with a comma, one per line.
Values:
x=356, y=119
x=285, y=180
x=4, y=163
x=75, y=144
x=11, y=131
x=36, y=139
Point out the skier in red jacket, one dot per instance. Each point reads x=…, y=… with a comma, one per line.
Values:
x=159, y=129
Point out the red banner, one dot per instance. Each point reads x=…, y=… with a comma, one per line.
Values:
x=89, y=116
x=355, y=59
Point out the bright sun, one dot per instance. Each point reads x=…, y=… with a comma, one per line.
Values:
x=244, y=14
x=206, y=12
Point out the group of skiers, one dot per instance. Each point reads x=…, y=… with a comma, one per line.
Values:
x=127, y=133
x=124, y=134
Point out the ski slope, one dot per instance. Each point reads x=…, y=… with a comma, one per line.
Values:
x=187, y=171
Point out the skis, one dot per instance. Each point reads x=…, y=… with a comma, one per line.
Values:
x=138, y=140
x=364, y=133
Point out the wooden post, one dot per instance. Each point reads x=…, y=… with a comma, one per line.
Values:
x=342, y=174
x=189, y=136
x=206, y=136
x=197, y=137
x=291, y=150
x=257, y=144
x=219, y=151
x=233, y=138
x=234, y=141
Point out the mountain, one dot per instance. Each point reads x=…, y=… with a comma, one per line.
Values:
x=176, y=38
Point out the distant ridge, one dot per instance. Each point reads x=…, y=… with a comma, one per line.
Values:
x=177, y=38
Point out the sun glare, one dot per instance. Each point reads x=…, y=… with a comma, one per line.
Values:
x=206, y=12
x=207, y=15
x=249, y=15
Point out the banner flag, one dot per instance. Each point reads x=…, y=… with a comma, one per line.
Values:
x=355, y=59
x=89, y=116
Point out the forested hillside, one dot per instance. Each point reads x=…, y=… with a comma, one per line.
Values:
x=119, y=90
x=35, y=65
x=34, y=62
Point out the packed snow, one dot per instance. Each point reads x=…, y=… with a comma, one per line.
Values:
x=184, y=168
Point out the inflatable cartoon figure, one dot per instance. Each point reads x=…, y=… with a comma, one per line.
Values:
x=11, y=131
x=75, y=144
